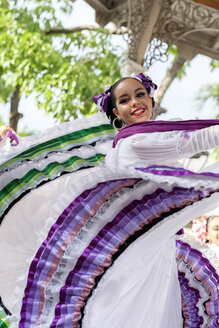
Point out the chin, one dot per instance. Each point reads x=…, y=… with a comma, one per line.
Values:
x=142, y=119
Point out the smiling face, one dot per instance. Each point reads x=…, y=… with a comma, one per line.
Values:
x=132, y=102
x=213, y=231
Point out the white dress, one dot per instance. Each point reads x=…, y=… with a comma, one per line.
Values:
x=91, y=243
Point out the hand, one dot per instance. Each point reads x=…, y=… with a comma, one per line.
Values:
x=4, y=129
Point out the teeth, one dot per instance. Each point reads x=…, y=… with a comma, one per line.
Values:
x=138, y=111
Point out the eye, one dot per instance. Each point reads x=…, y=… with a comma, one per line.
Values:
x=123, y=101
x=140, y=94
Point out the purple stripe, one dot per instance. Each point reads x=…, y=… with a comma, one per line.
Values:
x=194, y=256
x=190, y=297
x=27, y=306
x=130, y=219
x=204, y=272
x=173, y=171
x=105, y=243
x=162, y=126
x=67, y=222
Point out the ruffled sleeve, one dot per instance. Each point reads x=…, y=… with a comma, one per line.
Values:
x=175, y=145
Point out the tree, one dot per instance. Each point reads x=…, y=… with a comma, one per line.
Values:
x=63, y=70
x=177, y=70
x=209, y=91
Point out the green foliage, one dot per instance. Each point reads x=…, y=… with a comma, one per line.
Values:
x=84, y=73
x=25, y=132
x=1, y=121
x=173, y=50
x=64, y=72
x=182, y=71
x=207, y=92
x=214, y=64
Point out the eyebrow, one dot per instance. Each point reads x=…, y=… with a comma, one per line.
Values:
x=125, y=94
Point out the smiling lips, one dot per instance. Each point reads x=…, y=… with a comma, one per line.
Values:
x=138, y=111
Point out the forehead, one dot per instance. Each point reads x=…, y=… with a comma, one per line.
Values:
x=214, y=221
x=127, y=85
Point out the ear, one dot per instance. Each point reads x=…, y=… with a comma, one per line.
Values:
x=208, y=238
x=115, y=111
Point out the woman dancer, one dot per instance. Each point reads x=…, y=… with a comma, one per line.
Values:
x=99, y=246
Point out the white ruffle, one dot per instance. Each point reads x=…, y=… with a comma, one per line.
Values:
x=29, y=221
x=207, y=251
x=101, y=147
x=51, y=133
x=204, y=294
x=81, y=242
x=125, y=281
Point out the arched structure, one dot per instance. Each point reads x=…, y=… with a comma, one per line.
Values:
x=192, y=25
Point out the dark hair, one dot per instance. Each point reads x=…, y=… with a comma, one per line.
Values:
x=112, y=103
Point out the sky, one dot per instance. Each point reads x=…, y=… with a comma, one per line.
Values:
x=179, y=98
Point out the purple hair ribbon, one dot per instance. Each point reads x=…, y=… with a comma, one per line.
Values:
x=102, y=100
x=13, y=138
x=147, y=82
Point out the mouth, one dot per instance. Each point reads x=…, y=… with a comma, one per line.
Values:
x=138, y=111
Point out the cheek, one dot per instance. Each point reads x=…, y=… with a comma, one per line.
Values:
x=211, y=233
x=148, y=103
x=123, y=111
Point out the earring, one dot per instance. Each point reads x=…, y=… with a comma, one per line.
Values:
x=208, y=240
x=120, y=124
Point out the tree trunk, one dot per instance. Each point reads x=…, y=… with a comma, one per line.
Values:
x=14, y=115
x=170, y=76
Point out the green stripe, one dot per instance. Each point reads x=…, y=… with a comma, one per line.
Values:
x=67, y=141
x=34, y=177
x=4, y=323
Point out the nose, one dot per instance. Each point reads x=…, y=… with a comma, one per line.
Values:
x=135, y=101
